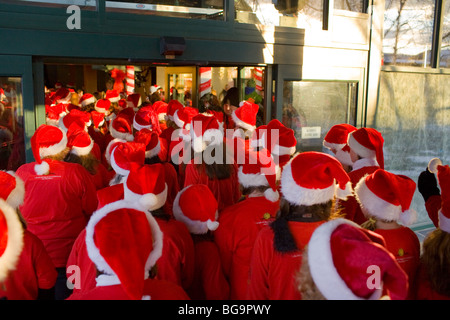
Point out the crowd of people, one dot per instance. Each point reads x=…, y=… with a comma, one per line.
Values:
x=133, y=199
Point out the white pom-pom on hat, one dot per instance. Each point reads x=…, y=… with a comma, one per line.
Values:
x=433, y=165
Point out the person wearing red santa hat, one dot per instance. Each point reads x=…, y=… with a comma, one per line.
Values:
x=35, y=275
x=310, y=182
x=433, y=282
x=122, y=155
x=196, y=207
x=281, y=143
x=83, y=119
x=11, y=240
x=336, y=139
x=168, y=135
x=241, y=222
x=125, y=273
x=366, y=151
x=87, y=102
x=244, y=119
x=153, y=154
x=385, y=200
x=59, y=200
x=342, y=261
x=121, y=127
x=84, y=151
x=160, y=108
x=134, y=101
x=211, y=164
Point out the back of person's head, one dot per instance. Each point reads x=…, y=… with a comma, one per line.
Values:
x=231, y=97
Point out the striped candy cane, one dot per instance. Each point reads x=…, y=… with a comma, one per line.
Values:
x=257, y=75
x=130, y=80
x=205, y=81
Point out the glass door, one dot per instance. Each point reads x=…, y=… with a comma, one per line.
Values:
x=17, y=112
x=181, y=83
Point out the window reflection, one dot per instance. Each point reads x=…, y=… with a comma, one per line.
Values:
x=350, y=5
x=445, y=44
x=408, y=29
x=12, y=148
x=306, y=14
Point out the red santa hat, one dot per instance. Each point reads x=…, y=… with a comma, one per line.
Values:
x=387, y=196
x=443, y=174
x=58, y=85
x=245, y=116
x=259, y=169
x=87, y=99
x=103, y=106
x=151, y=141
x=205, y=131
x=11, y=239
x=124, y=154
x=367, y=143
x=112, y=95
x=145, y=118
x=172, y=106
x=122, y=104
x=79, y=141
x=110, y=147
x=258, y=138
x=350, y=263
x=197, y=208
x=54, y=112
x=281, y=142
x=124, y=243
x=160, y=108
x=81, y=118
x=121, y=127
x=336, y=140
x=146, y=186
x=314, y=177
x=134, y=100
x=98, y=119
x=154, y=88
x=46, y=141
x=62, y=95
x=183, y=116
x=12, y=188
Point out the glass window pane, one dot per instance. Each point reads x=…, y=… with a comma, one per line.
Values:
x=83, y=4
x=207, y=9
x=306, y=14
x=311, y=108
x=445, y=45
x=408, y=30
x=12, y=147
x=350, y=5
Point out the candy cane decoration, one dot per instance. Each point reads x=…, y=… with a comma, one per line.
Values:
x=257, y=75
x=205, y=81
x=130, y=80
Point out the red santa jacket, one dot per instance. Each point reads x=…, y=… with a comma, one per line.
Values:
x=404, y=244
x=350, y=207
x=153, y=289
x=272, y=274
x=226, y=191
x=34, y=271
x=209, y=280
x=57, y=206
x=235, y=237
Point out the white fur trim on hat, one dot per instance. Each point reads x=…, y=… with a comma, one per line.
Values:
x=153, y=152
x=194, y=226
x=116, y=167
x=250, y=179
x=444, y=222
x=17, y=195
x=344, y=157
x=83, y=151
x=241, y=123
x=375, y=206
x=322, y=268
x=281, y=151
x=147, y=201
x=433, y=165
x=211, y=137
x=88, y=101
x=128, y=136
x=298, y=195
x=177, y=120
x=360, y=149
x=330, y=145
x=94, y=252
x=138, y=127
x=14, y=244
x=54, y=149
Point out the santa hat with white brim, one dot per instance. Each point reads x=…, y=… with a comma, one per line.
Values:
x=443, y=175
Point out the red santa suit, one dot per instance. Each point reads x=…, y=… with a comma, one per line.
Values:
x=239, y=226
x=271, y=272
x=196, y=207
x=34, y=271
x=404, y=244
x=57, y=206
